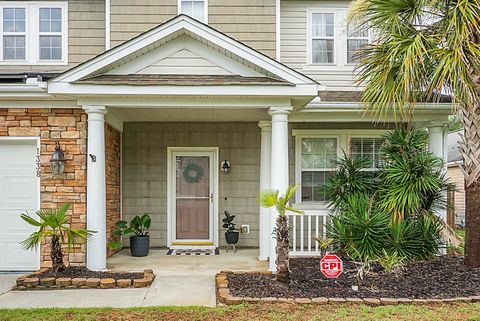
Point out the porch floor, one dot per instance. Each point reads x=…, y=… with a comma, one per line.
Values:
x=180, y=281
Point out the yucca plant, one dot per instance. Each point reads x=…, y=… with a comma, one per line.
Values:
x=271, y=198
x=53, y=225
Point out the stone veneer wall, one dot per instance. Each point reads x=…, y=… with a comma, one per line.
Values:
x=112, y=173
x=69, y=126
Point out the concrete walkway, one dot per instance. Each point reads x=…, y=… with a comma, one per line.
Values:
x=180, y=281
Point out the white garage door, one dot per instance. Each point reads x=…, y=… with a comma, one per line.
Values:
x=18, y=194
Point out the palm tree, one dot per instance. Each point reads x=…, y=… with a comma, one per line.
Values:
x=421, y=50
x=53, y=224
x=271, y=198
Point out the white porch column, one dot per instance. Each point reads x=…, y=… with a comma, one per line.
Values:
x=265, y=160
x=279, y=168
x=96, y=189
x=437, y=139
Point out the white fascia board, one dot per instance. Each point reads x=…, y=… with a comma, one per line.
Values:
x=184, y=102
x=255, y=91
x=325, y=107
x=186, y=23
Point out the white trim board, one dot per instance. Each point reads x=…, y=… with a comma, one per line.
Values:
x=213, y=152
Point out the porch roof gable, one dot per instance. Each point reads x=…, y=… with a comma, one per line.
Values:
x=186, y=29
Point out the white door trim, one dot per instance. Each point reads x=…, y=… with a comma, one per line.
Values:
x=171, y=221
x=36, y=140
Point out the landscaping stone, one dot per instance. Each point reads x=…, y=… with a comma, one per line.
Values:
x=337, y=300
x=107, y=283
x=303, y=300
x=270, y=299
x=63, y=282
x=320, y=300
x=141, y=283
x=78, y=282
x=372, y=301
x=389, y=301
x=31, y=282
x=475, y=298
x=419, y=301
x=47, y=281
x=124, y=283
x=404, y=301
x=93, y=282
x=354, y=300
x=234, y=300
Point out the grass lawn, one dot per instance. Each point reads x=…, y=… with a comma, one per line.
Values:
x=256, y=312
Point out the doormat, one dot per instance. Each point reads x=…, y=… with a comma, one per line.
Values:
x=193, y=252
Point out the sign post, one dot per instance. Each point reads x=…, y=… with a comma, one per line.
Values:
x=331, y=267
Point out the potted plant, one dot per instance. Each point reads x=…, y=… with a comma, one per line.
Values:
x=231, y=235
x=138, y=231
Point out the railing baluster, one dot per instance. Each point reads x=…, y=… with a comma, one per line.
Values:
x=324, y=221
x=302, y=231
x=294, y=219
x=316, y=232
x=309, y=233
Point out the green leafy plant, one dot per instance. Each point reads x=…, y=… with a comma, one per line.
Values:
x=421, y=51
x=228, y=222
x=53, y=226
x=391, y=261
x=138, y=226
x=271, y=198
x=390, y=213
x=324, y=244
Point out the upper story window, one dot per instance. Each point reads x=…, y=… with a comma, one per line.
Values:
x=331, y=40
x=356, y=38
x=323, y=37
x=33, y=33
x=316, y=152
x=197, y=9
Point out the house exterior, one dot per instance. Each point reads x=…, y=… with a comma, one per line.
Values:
x=455, y=176
x=148, y=99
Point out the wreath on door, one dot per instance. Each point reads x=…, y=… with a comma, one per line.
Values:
x=192, y=173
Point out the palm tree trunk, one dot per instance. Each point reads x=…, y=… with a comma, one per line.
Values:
x=283, y=241
x=470, y=147
x=56, y=255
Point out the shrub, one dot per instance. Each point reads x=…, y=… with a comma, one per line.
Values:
x=388, y=215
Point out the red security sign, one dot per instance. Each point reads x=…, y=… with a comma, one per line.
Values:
x=331, y=266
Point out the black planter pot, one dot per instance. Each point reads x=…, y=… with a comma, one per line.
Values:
x=139, y=245
x=232, y=237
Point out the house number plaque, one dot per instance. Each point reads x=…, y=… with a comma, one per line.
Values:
x=37, y=163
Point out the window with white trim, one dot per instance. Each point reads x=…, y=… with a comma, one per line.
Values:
x=357, y=37
x=331, y=40
x=316, y=152
x=33, y=33
x=323, y=37
x=367, y=148
x=197, y=9
x=14, y=32
x=318, y=155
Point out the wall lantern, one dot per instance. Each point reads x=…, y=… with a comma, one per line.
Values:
x=57, y=161
x=226, y=166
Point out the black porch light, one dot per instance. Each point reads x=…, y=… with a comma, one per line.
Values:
x=57, y=162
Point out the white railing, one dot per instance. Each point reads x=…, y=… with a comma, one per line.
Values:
x=303, y=228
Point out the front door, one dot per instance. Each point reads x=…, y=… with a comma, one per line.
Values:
x=192, y=195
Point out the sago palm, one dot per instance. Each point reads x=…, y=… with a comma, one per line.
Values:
x=271, y=198
x=422, y=49
x=53, y=225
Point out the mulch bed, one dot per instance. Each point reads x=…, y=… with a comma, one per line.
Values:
x=443, y=278
x=83, y=272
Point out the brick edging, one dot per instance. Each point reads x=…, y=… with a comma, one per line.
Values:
x=33, y=282
x=225, y=297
